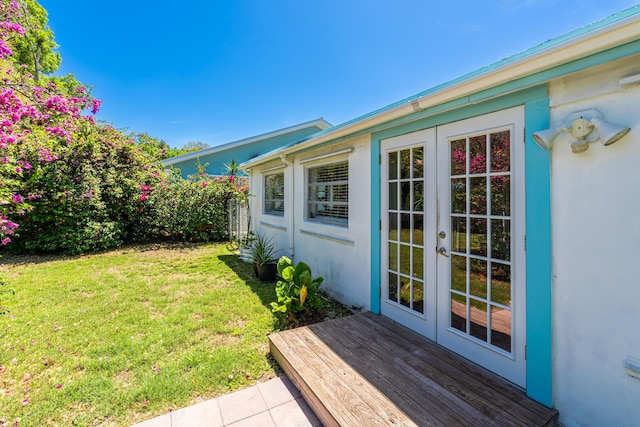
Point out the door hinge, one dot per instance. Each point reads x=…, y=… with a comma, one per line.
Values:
x=525, y=243
x=525, y=352
x=379, y=159
x=380, y=291
x=524, y=136
x=380, y=225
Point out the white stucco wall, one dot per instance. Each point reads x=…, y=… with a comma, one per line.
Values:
x=341, y=255
x=595, y=204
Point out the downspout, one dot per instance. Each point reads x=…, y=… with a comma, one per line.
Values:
x=290, y=203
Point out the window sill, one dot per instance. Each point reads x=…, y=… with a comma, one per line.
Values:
x=331, y=237
x=271, y=225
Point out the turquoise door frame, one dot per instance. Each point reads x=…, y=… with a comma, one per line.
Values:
x=538, y=228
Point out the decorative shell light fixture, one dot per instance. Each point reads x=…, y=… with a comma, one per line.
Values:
x=580, y=129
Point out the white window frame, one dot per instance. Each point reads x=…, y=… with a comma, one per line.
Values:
x=275, y=200
x=330, y=196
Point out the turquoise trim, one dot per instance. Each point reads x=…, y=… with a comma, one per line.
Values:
x=538, y=229
x=375, y=225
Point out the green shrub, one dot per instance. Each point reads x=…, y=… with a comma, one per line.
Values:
x=296, y=290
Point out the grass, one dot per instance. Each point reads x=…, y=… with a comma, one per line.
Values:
x=115, y=338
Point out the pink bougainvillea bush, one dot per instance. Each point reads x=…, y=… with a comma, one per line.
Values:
x=71, y=185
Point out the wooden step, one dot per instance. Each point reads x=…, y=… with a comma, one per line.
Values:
x=365, y=370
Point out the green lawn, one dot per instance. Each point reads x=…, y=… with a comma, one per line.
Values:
x=118, y=337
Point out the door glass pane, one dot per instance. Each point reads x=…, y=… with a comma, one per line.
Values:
x=418, y=296
x=393, y=196
x=479, y=319
x=418, y=263
x=478, y=196
x=459, y=195
x=478, y=154
x=459, y=157
x=405, y=196
x=393, y=256
x=501, y=328
x=418, y=229
x=405, y=164
x=393, y=226
x=500, y=151
x=459, y=273
x=418, y=196
x=393, y=287
x=418, y=162
x=501, y=239
x=459, y=234
x=501, y=195
x=501, y=283
x=459, y=312
x=405, y=227
x=393, y=165
x=405, y=260
x=478, y=236
x=405, y=291
x=478, y=278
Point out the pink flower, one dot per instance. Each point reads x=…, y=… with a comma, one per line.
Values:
x=96, y=106
x=143, y=197
x=59, y=386
x=204, y=184
x=16, y=198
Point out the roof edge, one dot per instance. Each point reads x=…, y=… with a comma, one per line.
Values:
x=593, y=38
x=319, y=122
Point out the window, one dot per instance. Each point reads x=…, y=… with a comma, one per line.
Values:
x=274, y=194
x=328, y=190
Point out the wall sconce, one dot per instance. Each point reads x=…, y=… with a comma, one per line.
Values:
x=579, y=129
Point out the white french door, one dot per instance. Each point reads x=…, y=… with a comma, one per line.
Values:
x=452, y=210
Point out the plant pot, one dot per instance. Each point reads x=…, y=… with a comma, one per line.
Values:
x=266, y=272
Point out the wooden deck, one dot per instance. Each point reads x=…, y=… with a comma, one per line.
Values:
x=366, y=370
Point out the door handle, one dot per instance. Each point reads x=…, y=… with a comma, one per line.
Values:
x=442, y=251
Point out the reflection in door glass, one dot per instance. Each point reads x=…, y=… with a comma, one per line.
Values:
x=459, y=312
x=478, y=319
x=501, y=328
x=406, y=267
x=480, y=219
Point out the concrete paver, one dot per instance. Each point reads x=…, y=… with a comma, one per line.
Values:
x=274, y=403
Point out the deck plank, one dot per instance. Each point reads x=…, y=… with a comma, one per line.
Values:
x=483, y=382
x=435, y=392
x=347, y=396
x=367, y=370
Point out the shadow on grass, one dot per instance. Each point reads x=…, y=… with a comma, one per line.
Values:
x=265, y=291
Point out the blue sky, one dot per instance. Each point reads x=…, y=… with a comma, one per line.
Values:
x=220, y=70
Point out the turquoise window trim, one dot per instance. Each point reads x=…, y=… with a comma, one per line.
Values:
x=538, y=227
x=538, y=247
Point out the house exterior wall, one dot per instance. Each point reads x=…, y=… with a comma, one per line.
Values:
x=595, y=233
x=582, y=232
x=339, y=254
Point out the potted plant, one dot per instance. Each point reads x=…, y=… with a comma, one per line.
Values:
x=264, y=262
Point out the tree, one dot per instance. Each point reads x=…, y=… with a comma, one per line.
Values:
x=193, y=146
x=36, y=49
